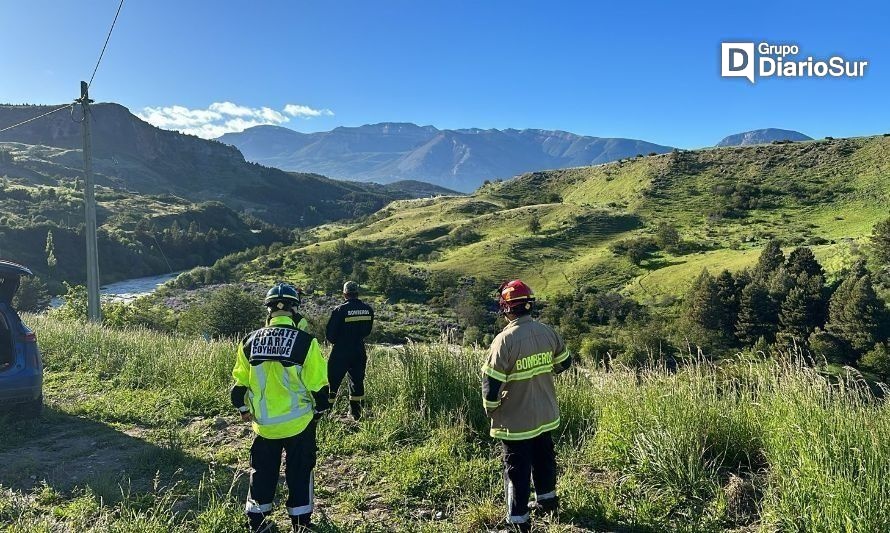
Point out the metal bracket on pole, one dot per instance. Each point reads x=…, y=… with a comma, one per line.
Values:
x=94, y=311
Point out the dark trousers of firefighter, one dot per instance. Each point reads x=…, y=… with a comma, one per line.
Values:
x=351, y=361
x=525, y=460
x=265, y=460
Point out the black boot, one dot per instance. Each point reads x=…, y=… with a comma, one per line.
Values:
x=257, y=522
x=524, y=527
x=355, y=409
x=302, y=522
x=543, y=507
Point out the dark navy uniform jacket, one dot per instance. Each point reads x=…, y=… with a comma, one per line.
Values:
x=348, y=326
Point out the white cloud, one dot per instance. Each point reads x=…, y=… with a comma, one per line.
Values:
x=228, y=108
x=224, y=117
x=304, y=111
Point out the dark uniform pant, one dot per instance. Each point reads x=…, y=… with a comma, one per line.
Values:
x=265, y=460
x=525, y=460
x=351, y=361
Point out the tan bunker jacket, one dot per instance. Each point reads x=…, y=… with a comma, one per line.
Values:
x=517, y=379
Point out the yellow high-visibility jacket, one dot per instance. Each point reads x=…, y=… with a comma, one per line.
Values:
x=278, y=371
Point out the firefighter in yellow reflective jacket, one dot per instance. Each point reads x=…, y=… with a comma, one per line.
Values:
x=281, y=386
x=519, y=397
x=296, y=316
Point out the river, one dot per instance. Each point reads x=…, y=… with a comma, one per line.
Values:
x=129, y=289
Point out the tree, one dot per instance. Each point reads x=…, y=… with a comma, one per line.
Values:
x=728, y=296
x=175, y=232
x=855, y=314
x=380, y=277
x=880, y=241
x=702, y=311
x=32, y=296
x=534, y=224
x=667, y=236
x=771, y=258
x=801, y=260
x=801, y=311
x=471, y=303
x=50, y=252
x=757, y=314
x=779, y=283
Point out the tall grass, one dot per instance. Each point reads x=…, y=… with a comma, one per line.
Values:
x=772, y=444
x=195, y=373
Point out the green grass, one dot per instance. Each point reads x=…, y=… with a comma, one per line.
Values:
x=820, y=193
x=138, y=437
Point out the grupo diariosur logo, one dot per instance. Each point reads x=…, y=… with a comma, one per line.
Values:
x=765, y=60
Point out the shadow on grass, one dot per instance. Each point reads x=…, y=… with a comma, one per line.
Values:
x=659, y=263
x=67, y=452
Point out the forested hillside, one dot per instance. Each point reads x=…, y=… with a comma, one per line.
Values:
x=615, y=250
x=130, y=154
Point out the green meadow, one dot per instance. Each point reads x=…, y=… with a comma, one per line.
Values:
x=138, y=436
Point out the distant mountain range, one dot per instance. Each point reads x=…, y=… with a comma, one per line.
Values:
x=458, y=159
x=764, y=136
x=131, y=154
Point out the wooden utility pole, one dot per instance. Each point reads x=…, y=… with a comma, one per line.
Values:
x=94, y=311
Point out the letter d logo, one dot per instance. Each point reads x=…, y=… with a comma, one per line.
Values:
x=737, y=60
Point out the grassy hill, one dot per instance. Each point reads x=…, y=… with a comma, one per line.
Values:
x=138, y=436
x=725, y=203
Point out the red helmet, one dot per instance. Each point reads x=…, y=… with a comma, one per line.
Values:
x=514, y=296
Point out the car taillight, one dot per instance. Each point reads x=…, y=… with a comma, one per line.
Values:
x=29, y=337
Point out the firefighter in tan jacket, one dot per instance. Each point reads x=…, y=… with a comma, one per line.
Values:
x=520, y=398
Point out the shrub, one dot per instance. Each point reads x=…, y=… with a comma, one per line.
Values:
x=534, y=225
x=32, y=296
x=877, y=361
x=637, y=250
x=464, y=235
x=229, y=312
x=824, y=344
x=472, y=335
x=596, y=350
x=74, y=306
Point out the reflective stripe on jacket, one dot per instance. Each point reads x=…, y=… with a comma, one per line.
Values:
x=517, y=383
x=349, y=324
x=281, y=366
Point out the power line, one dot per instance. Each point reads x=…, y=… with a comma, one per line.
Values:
x=32, y=119
x=95, y=69
x=107, y=38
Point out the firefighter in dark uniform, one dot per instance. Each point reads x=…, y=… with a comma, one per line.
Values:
x=347, y=328
x=281, y=387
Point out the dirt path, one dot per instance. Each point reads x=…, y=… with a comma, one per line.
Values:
x=66, y=451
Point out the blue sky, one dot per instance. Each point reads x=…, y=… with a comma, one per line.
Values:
x=628, y=69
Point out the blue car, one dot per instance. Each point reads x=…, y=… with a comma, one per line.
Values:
x=21, y=367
